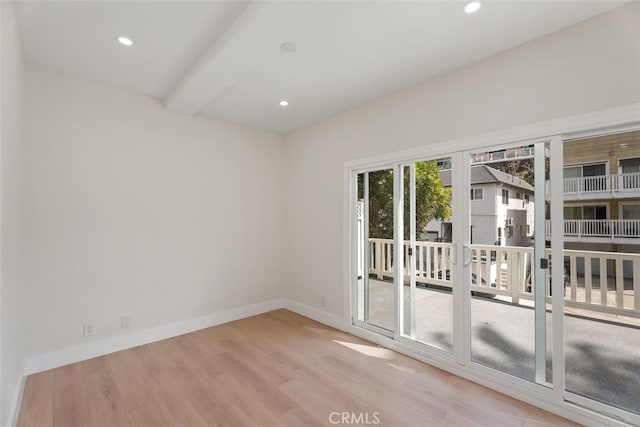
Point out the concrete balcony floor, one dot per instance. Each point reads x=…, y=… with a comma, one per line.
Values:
x=602, y=357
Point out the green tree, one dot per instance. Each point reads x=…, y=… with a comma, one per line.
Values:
x=433, y=200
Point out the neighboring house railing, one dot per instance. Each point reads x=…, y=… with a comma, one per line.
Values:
x=506, y=271
x=499, y=156
x=614, y=228
x=602, y=183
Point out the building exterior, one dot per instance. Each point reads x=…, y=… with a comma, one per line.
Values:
x=502, y=209
x=602, y=193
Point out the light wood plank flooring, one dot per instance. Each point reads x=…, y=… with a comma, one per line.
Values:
x=276, y=369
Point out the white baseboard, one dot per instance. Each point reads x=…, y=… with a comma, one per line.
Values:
x=77, y=353
x=14, y=409
x=313, y=313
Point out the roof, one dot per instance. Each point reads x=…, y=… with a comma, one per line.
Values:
x=483, y=174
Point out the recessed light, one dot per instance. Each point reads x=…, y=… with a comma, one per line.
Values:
x=126, y=41
x=288, y=47
x=473, y=6
x=284, y=103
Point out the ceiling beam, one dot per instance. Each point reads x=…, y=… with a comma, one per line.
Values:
x=257, y=32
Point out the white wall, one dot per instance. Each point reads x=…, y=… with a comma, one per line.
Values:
x=12, y=345
x=591, y=66
x=130, y=209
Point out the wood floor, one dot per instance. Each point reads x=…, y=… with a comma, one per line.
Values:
x=276, y=369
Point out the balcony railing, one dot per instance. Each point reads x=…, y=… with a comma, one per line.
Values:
x=607, y=282
x=603, y=183
x=500, y=156
x=605, y=228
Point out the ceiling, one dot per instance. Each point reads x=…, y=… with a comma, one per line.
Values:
x=223, y=58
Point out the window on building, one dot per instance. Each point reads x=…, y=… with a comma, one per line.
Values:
x=631, y=211
x=594, y=212
x=477, y=194
x=630, y=170
x=443, y=164
x=630, y=165
x=573, y=212
x=585, y=212
x=505, y=196
x=596, y=169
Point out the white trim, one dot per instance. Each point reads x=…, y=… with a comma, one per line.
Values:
x=557, y=258
x=349, y=248
x=540, y=283
x=80, y=352
x=398, y=242
x=329, y=319
x=14, y=409
x=605, y=131
x=610, y=411
x=461, y=182
x=412, y=245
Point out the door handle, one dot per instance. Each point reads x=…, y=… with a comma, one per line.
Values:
x=467, y=254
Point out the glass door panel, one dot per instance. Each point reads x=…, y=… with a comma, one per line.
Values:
x=508, y=262
x=375, y=247
x=427, y=308
x=602, y=274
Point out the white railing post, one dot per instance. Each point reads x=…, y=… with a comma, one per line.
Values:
x=636, y=283
x=604, y=285
x=573, y=272
x=516, y=258
x=579, y=223
x=377, y=253
x=619, y=283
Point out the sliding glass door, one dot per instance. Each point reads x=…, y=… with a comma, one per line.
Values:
x=376, y=283
x=602, y=265
x=428, y=252
x=474, y=256
x=509, y=261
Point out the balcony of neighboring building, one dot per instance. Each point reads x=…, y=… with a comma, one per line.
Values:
x=593, y=181
x=619, y=186
x=593, y=223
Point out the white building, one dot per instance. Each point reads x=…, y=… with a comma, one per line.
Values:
x=502, y=209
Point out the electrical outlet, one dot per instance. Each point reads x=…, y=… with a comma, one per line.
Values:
x=323, y=302
x=125, y=322
x=87, y=330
